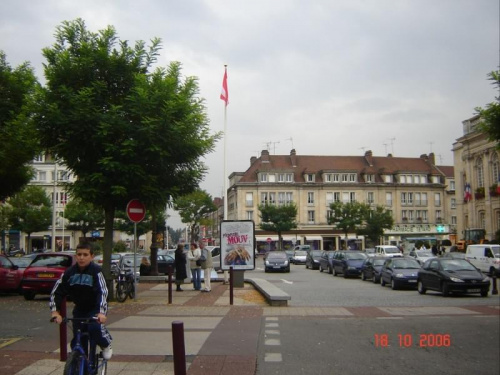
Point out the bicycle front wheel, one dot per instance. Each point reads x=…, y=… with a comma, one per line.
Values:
x=75, y=364
x=131, y=292
x=102, y=365
x=121, y=292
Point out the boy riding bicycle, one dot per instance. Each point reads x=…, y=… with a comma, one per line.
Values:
x=84, y=283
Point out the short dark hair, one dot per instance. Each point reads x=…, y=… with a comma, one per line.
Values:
x=194, y=244
x=85, y=246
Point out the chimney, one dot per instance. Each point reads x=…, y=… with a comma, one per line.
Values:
x=432, y=158
x=424, y=156
x=369, y=157
x=264, y=156
x=293, y=157
x=252, y=160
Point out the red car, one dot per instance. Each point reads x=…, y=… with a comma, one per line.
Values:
x=10, y=275
x=41, y=275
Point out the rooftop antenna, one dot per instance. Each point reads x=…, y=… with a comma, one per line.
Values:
x=274, y=146
x=440, y=159
x=291, y=140
x=385, y=145
x=392, y=144
x=363, y=148
x=268, y=145
x=431, y=143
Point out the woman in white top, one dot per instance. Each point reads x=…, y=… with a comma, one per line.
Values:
x=193, y=255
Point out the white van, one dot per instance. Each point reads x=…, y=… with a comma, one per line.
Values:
x=388, y=251
x=486, y=257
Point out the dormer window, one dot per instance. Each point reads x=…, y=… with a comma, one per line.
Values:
x=263, y=177
x=369, y=178
x=309, y=177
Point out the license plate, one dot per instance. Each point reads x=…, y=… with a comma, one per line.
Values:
x=473, y=290
x=276, y=267
x=45, y=275
x=412, y=281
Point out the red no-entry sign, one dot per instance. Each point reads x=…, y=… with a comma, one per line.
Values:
x=136, y=211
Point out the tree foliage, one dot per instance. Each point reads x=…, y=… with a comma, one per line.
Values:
x=490, y=115
x=83, y=216
x=278, y=219
x=348, y=217
x=31, y=211
x=124, y=131
x=376, y=220
x=193, y=209
x=18, y=137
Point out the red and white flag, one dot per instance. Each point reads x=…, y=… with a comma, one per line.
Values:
x=224, y=95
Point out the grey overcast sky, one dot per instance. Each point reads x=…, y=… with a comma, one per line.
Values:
x=326, y=77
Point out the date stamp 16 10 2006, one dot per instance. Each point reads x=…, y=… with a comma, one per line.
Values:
x=407, y=340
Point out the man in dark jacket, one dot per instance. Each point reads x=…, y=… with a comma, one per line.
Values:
x=84, y=283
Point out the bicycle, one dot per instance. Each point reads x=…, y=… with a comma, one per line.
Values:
x=125, y=285
x=78, y=363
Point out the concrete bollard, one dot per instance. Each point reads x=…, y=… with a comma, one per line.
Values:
x=494, y=289
x=178, y=348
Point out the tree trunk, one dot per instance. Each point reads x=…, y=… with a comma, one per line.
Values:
x=154, y=245
x=109, y=213
x=280, y=241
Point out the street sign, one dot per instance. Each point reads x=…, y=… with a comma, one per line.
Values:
x=136, y=211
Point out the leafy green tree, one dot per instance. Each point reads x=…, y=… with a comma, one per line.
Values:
x=193, y=209
x=376, y=220
x=490, y=115
x=18, y=136
x=175, y=235
x=83, y=216
x=124, y=132
x=278, y=219
x=31, y=211
x=348, y=217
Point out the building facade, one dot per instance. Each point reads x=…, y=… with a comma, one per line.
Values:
x=477, y=172
x=419, y=194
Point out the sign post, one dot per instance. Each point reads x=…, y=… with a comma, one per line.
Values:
x=136, y=212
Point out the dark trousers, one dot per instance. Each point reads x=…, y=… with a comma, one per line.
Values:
x=97, y=331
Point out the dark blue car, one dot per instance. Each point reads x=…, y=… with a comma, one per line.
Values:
x=371, y=268
x=348, y=263
x=325, y=261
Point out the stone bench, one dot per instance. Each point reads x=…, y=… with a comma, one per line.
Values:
x=274, y=295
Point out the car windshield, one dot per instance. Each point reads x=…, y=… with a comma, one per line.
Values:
x=378, y=262
x=391, y=250
x=406, y=264
x=21, y=262
x=316, y=253
x=51, y=261
x=279, y=255
x=424, y=253
x=370, y=251
x=355, y=256
x=456, y=265
x=496, y=251
x=300, y=253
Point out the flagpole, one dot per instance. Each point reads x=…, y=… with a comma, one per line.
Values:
x=225, y=155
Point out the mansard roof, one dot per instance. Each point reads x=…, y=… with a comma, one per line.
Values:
x=300, y=165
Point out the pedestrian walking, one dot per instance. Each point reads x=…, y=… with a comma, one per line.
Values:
x=180, y=267
x=145, y=267
x=193, y=256
x=206, y=266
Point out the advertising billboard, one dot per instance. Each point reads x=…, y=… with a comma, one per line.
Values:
x=237, y=242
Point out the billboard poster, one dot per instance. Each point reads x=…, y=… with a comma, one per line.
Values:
x=237, y=243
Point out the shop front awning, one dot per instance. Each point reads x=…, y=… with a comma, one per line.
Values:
x=313, y=238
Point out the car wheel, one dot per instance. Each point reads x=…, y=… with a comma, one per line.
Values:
x=29, y=295
x=493, y=271
x=330, y=270
x=307, y=267
x=266, y=270
x=394, y=286
x=420, y=287
x=484, y=293
x=344, y=273
x=288, y=269
x=382, y=282
x=374, y=279
x=335, y=272
x=320, y=268
x=445, y=289
x=363, y=277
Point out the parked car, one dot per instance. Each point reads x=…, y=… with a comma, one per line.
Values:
x=388, y=251
x=276, y=261
x=452, y=276
x=421, y=255
x=289, y=254
x=43, y=272
x=163, y=262
x=485, y=257
x=371, y=268
x=400, y=272
x=370, y=252
x=325, y=261
x=312, y=259
x=454, y=255
x=10, y=275
x=299, y=257
x=24, y=261
x=348, y=262
x=302, y=247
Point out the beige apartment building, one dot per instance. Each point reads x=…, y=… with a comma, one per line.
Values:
x=477, y=172
x=420, y=195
